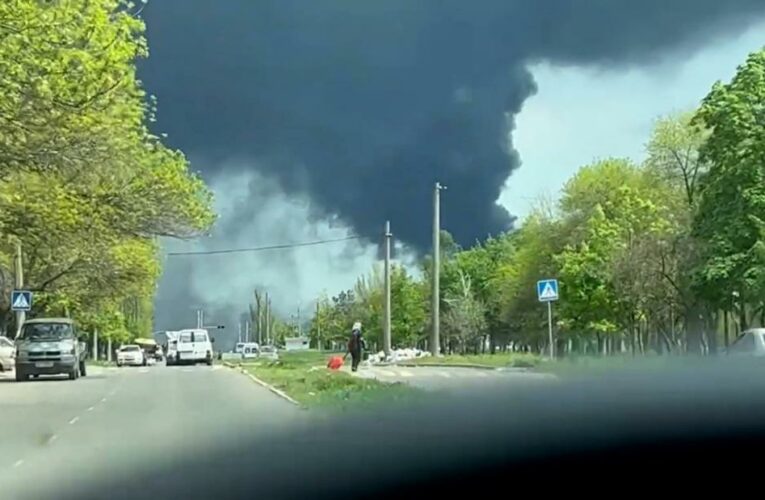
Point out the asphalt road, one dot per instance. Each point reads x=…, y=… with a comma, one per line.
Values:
x=118, y=420
x=447, y=378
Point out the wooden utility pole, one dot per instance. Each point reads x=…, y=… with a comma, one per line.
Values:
x=435, y=340
x=386, y=320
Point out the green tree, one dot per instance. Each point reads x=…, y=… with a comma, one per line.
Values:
x=730, y=222
x=84, y=186
x=408, y=309
x=465, y=321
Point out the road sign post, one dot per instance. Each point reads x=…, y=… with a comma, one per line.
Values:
x=547, y=291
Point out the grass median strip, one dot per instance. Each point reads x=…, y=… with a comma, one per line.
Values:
x=498, y=360
x=303, y=377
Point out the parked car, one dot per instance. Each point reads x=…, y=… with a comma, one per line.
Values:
x=131, y=355
x=249, y=350
x=749, y=343
x=269, y=352
x=7, y=353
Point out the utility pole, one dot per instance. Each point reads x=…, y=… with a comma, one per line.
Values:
x=299, y=326
x=246, y=331
x=95, y=344
x=239, y=331
x=318, y=327
x=268, y=318
x=435, y=340
x=386, y=321
x=21, y=316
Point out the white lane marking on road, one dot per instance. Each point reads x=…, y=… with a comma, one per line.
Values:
x=74, y=420
x=91, y=408
x=103, y=400
x=444, y=374
x=18, y=463
x=52, y=438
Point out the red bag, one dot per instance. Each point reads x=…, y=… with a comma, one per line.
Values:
x=335, y=362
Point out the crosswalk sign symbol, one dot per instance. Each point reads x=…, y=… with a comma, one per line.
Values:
x=547, y=290
x=21, y=300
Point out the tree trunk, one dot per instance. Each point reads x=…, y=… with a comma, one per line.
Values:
x=694, y=328
x=712, y=333
x=743, y=324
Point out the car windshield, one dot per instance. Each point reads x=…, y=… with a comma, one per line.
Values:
x=47, y=331
x=490, y=193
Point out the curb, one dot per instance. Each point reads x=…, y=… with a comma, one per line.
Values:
x=268, y=386
x=447, y=365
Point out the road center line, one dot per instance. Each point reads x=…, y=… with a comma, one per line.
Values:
x=18, y=463
x=74, y=420
x=91, y=408
x=103, y=400
x=52, y=438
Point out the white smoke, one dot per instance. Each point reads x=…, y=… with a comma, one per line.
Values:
x=254, y=211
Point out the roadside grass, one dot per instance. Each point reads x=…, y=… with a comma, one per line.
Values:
x=305, y=378
x=497, y=360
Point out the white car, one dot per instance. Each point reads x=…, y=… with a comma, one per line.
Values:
x=269, y=352
x=131, y=355
x=194, y=346
x=7, y=353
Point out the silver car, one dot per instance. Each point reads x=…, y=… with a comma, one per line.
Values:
x=7, y=353
x=49, y=346
x=749, y=343
x=268, y=352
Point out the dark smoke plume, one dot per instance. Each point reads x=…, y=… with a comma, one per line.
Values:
x=364, y=104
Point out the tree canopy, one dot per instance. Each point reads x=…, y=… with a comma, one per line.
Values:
x=85, y=187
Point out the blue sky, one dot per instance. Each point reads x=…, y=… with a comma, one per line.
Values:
x=582, y=114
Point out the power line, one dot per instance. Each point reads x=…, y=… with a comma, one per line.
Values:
x=261, y=249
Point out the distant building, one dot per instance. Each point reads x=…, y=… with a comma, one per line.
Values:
x=296, y=344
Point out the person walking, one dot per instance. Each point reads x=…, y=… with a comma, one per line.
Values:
x=355, y=346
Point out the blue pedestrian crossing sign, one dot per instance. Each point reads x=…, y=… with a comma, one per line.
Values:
x=21, y=300
x=547, y=290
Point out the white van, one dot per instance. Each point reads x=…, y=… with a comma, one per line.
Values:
x=249, y=350
x=194, y=346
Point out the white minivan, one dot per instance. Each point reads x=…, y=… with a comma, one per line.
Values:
x=194, y=346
